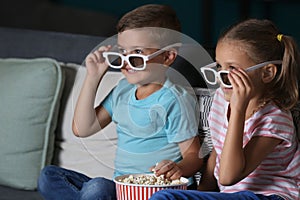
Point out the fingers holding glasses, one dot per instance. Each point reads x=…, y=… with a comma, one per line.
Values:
x=95, y=62
x=241, y=84
x=239, y=78
x=97, y=55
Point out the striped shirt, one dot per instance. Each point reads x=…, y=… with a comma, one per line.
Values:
x=279, y=173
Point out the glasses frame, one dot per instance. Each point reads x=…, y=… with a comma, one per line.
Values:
x=144, y=57
x=217, y=74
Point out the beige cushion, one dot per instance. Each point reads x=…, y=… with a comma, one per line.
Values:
x=93, y=156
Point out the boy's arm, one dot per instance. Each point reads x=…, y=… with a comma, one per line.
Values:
x=87, y=120
x=208, y=181
x=188, y=166
x=190, y=163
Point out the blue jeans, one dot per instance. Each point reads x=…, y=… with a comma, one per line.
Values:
x=170, y=194
x=58, y=183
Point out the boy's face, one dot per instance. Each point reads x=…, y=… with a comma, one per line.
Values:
x=140, y=42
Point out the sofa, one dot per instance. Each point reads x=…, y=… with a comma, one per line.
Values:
x=41, y=73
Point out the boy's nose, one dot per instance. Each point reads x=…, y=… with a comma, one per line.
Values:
x=125, y=65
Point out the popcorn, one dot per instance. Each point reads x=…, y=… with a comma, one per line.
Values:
x=149, y=180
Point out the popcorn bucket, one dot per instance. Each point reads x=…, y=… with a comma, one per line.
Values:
x=132, y=191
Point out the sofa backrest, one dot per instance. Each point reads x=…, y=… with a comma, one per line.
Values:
x=63, y=47
x=73, y=48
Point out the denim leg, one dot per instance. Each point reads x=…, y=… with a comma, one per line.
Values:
x=170, y=194
x=98, y=189
x=271, y=197
x=58, y=183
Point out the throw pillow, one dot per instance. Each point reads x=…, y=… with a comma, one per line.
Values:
x=30, y=94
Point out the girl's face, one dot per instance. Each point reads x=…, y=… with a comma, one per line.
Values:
x=230, y=55
x=138, y=42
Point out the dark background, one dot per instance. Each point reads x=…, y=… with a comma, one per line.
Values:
x=201, y=20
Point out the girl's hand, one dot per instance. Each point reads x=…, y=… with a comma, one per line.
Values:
x=242, y=88
x=95, y=62
x=168, y=168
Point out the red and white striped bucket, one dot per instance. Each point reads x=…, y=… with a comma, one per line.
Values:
x=129, y=191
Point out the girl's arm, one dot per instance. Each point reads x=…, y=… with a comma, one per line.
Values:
x=237, y=161
x=87, y=120
x=188, y=166
x=208, y=181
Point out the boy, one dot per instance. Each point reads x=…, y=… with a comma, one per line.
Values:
x=156, y=120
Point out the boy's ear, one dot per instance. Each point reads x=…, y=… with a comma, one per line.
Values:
x=170, y=56
x=268, y=73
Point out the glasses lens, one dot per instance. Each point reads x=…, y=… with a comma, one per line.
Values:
x=137, y=62
x=114, y=60
x=209, y=76
x=224, y=77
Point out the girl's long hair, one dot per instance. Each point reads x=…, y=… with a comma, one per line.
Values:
x=264, y=42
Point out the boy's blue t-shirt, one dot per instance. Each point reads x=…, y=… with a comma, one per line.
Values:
x=150, y=129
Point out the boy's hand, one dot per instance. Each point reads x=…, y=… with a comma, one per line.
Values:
x=168, y=168
x=95, y=62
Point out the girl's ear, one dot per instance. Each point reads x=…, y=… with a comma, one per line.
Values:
x=268, y=73
x=170, y=56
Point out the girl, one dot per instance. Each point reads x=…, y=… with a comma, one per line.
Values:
x=256, y=153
